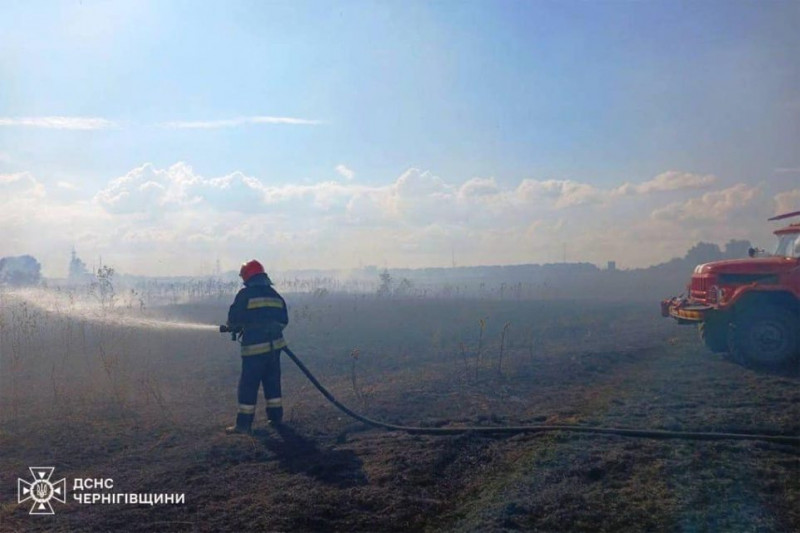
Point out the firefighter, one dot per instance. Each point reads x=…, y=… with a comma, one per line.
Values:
x=260, y=312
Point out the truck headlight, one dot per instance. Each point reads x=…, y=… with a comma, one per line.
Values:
x=721, y=295
x=713, y=294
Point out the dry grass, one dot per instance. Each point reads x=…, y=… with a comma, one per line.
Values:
x=146, y=407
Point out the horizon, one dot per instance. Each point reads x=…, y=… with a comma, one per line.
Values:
x=314, y=136
x=92, y=267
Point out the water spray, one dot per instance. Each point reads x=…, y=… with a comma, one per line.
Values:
x=65, y=304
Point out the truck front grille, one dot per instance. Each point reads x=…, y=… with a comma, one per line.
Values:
x=699, y=288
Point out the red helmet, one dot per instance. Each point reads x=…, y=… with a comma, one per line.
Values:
x=250, y=269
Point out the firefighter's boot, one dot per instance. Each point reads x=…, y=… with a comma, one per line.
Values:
x=275, y=411
x=244, y=425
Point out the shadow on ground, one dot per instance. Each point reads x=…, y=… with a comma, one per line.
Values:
x=298, y=454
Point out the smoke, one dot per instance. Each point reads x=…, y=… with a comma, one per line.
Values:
x=88, y=309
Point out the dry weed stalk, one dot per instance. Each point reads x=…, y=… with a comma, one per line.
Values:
x=480, y=347
x=502, y=345
x=357, y=389
x=463, y=349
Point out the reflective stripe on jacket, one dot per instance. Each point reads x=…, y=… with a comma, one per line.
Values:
x=264, y=347
x=261, y=313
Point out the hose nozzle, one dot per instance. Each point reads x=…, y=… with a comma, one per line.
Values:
x=232, y=330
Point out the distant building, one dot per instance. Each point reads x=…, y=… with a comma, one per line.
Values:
x=77, y=269
x=612, y=266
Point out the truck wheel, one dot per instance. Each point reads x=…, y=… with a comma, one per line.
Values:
x=764, y=337
x=714, y=335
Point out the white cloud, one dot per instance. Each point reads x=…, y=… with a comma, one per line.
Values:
x=712, y=206
x=788, y=201
x=345, y=172
x=20, y=186
x=477, y=188
x=239, y=121
x=671, y=180
x=59, y=123
x=66, y=185
x=146, y=189
x=323, y=195
x=97, y=123
x=414, y=183
x=367, y=207
x=166, y=220
x=561, y=193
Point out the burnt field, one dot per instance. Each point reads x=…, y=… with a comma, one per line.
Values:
x=113, y=394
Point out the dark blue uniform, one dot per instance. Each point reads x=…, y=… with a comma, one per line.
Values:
x=261, y=313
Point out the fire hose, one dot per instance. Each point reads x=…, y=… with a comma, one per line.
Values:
x=793, y=440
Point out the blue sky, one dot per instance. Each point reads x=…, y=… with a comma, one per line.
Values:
x=516, y=123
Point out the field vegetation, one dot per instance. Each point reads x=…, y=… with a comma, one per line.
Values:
x=95, y=384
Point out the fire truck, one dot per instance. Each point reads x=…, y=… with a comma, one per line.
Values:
x=748, y=308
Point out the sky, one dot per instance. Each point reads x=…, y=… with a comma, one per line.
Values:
x=163, y=136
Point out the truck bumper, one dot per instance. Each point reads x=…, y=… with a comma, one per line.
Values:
x=684, y=311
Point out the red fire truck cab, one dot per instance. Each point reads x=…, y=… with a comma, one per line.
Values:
x=749, y=308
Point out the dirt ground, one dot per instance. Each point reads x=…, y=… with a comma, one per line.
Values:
x=147, y=409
